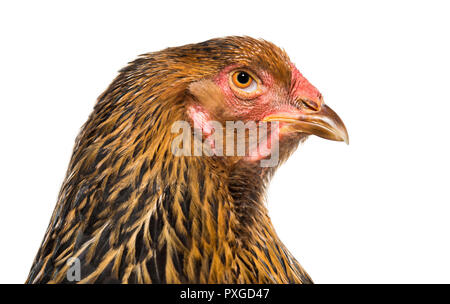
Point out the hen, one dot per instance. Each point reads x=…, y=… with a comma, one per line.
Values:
x=133, y=210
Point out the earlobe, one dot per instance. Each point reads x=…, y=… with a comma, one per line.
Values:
x=208, y=133
x=200, y=118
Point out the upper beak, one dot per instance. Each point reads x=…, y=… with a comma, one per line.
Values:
x=324, y=123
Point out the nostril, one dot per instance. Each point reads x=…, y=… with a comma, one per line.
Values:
x=310, y=105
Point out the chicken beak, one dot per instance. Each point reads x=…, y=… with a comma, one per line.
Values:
x=324, y=123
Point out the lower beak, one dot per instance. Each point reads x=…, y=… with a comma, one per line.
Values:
x=324, y=123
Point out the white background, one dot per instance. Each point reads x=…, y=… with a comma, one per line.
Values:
x=376, y=211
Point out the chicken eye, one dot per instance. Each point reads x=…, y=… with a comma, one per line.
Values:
x=244, y=81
